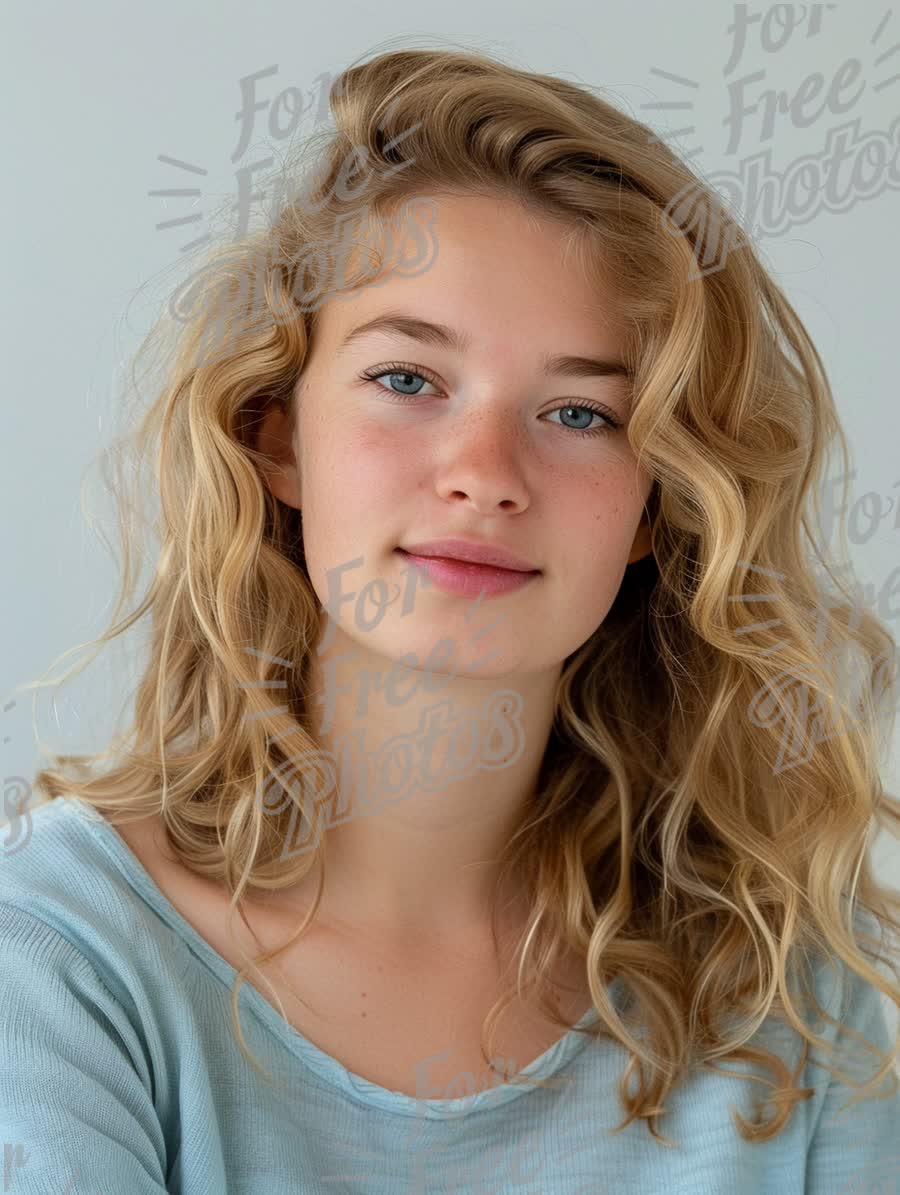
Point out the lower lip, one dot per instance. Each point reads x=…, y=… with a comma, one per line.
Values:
x=468, y=580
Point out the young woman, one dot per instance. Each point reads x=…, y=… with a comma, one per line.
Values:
x=485, y=603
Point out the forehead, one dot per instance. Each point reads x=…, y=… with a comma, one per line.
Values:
x=499, y=272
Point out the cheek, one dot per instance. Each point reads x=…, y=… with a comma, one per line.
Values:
x=603, y=506
x=594, y=528
x=373, y=463
x=592, y=583
x=613, y=525
x=356, y=463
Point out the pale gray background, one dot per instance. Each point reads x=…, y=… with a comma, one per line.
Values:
x=94, y=92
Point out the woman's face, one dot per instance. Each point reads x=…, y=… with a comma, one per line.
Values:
x=474, y=442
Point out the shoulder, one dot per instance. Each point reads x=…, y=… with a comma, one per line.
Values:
x=852, y=1136
x=853, y=1003
x=70, y=890
x=58, y=863
x=82, y=1023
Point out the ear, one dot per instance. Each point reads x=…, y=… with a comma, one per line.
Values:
x=275, y=440
x=641, y=546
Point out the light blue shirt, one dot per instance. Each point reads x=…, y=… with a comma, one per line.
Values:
x=119, y=1074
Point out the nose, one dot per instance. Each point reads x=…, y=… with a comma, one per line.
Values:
x=481, y=464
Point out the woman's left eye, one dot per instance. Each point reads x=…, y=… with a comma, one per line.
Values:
x=411, y=376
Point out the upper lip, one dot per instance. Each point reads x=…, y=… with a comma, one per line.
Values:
x=471, y=551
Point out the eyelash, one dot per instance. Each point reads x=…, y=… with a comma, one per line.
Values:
x=420, y=371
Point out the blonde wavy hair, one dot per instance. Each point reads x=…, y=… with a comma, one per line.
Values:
x=672, y=842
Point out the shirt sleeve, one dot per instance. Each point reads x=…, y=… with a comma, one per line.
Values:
x=856, y=1150
x=76, y=1113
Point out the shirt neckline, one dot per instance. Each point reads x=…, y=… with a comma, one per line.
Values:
x=555, y=1058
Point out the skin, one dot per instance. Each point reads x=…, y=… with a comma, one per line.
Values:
x=478, y=453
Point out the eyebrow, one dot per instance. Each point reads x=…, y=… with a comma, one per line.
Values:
x=439, y=335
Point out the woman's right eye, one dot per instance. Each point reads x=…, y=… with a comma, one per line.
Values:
x=406, y=374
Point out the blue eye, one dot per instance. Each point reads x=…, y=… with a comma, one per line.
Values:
x=397, y=372
x=611, y=424
x=410, y=374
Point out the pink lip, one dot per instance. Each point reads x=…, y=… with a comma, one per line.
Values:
x=465, y=579
x=471, y=552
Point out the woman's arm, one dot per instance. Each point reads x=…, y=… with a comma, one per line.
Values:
x=76, y=1114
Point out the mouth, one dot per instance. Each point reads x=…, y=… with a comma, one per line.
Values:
x=465, y=578
x=472, y=564
x=471, y=552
